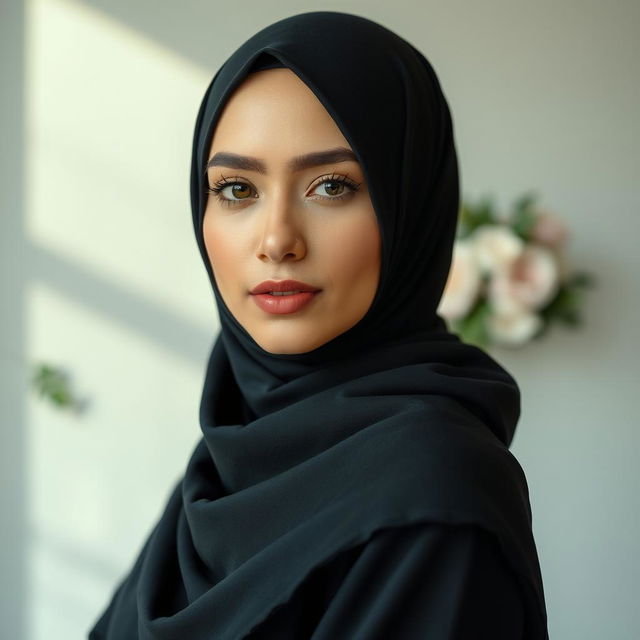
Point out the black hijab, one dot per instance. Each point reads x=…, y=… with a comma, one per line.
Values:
x=395, y=421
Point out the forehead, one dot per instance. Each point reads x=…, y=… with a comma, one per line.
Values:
x=274, y=109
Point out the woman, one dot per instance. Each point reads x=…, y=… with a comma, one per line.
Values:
x=354, y=478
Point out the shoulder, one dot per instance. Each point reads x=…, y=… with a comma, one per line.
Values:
x=416, y=581
x=443, y=460
x=446, y=580
x=466, y=547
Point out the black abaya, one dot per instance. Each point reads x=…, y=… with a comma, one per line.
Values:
x=363, y=490
x=411, y=582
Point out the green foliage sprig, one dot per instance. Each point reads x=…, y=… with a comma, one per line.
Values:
x=53, y=384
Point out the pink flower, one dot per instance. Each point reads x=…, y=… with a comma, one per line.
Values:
x=549, y=230
x=528, y=283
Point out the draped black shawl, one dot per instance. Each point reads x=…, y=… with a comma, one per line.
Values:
x=393, y=423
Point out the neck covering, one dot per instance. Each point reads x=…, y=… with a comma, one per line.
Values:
x=395, y=421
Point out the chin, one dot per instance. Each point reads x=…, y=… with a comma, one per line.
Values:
x=286, y=345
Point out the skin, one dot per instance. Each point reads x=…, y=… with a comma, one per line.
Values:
x=278, y=226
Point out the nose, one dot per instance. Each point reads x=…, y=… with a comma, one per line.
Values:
x=281, y=237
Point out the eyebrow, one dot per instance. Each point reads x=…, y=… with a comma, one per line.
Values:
x=298, y=163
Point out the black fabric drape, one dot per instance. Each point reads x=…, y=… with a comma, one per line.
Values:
x=368, y=481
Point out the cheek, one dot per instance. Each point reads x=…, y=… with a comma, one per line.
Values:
x=220, y=249
x=357, y=253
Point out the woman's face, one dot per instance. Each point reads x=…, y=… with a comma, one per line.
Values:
x=271, y=218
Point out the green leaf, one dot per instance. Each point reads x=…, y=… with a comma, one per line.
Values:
x=523, y=216
x=472, y=216
x=525, y=201
x=582, y=279
x=564, y=307
x=52, y=383
x=473, y=327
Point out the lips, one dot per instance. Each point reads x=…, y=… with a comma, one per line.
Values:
x=283, y=285
x=283, y=297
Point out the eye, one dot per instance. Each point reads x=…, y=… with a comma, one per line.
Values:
x=336, y=185
x=237, y=191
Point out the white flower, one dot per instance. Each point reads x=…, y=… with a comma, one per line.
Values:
x=514, y=328
x=496, y=247
x=463, y=283
x=529, y=282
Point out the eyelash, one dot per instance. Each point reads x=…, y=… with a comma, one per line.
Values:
x=334, y=178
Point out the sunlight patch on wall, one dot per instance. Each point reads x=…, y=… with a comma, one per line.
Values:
x=109, y=126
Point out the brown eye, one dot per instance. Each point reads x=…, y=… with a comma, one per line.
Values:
x=333, y=187
x=239, y=190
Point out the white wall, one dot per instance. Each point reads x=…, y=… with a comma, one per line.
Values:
x=101, y=274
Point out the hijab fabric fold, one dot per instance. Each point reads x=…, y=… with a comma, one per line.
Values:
x=394, y=422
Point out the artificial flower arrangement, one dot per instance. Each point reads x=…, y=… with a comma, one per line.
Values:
x=509, y=277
